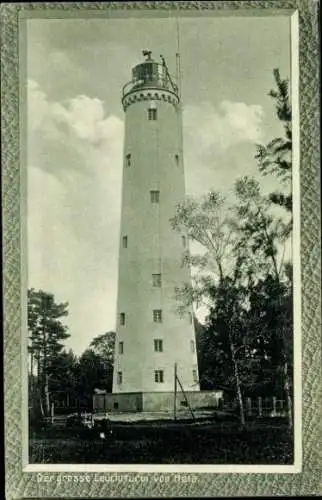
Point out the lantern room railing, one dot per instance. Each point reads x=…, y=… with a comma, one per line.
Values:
x=163, y=83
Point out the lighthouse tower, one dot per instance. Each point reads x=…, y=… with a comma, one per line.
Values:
x=152, y=339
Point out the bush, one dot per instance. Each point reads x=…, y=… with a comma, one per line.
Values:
x=36, y=419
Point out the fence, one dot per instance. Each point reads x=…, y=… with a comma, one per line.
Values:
x=265, y=407
x=260, y=407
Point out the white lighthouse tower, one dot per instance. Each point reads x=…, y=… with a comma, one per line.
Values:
x=151, y=338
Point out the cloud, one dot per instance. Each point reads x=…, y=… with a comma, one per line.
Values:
x=79, y=145
x=219, y=144
x=244, y=122
x=80, y=120
x=231, y=124
x=74, y=202
x=38, y=106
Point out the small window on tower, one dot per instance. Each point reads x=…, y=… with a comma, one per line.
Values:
x=184, y=241
x=155, y=196
x=158, y=345
x=194, y=376
x=152, y=114
x=124, y=241
x=119, y=378
x=156, y=279
x=192, y=345
x=158, y=376
x=121, y=347
x=122, y=319
x=128, y=160
x=157, y=316
x=176, y=157
x=190, y=317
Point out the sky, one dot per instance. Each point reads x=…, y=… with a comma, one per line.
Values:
x=75, y=122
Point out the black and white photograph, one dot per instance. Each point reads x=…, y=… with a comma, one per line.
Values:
x=161, y=249
x=159, y=239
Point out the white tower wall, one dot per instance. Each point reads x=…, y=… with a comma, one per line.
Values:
x=156, y=164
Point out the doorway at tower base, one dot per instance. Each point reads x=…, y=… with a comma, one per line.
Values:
x=156, y=401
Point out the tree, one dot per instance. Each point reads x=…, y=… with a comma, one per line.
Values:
x=104, y=346
x=92, y=374
x=63, y=369
x=276, y=157
x=47, y=334
x=263, y=237
x=240, y=251
x=270, y=318
x=219, y=272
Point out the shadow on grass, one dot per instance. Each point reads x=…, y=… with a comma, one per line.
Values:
x=166, y=444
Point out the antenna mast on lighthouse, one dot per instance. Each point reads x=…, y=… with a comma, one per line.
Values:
x=178, y=66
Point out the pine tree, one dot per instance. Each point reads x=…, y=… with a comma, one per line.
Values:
x=47, y=336
x=276, y=157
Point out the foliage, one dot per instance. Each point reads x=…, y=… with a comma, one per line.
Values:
x=92, y=374
x=46, y=329
x=56, y=375
x=63, y=380
x=276, y=157
x=239, y=274
x=104, y=346
x=206, y=222
x=261, y=233
x=46, y=340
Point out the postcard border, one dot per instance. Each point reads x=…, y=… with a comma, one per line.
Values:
x=25, y=484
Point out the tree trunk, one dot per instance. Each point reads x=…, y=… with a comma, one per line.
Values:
x=39, y=384
x=288, y=396
x=41, y=406
x=38, y=367
x=42, y=386
x=45, y=377
x=31, y=387
x=238, y=387
x=46, y=394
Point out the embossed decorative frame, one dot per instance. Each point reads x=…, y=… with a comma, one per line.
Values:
x=20, y=484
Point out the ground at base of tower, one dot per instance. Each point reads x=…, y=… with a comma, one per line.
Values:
x=160, y=416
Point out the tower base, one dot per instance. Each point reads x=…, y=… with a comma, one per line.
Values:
x=156, y=401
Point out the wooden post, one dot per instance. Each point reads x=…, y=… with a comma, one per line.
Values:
x=185, y=396
x=175, y=392
x=260, y=407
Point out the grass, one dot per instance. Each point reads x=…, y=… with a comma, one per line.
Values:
x=171, y=443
